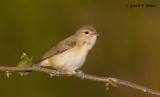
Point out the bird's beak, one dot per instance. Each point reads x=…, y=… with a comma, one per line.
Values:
x=96, y=33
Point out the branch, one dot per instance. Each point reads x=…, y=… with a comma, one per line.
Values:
x=87, y=76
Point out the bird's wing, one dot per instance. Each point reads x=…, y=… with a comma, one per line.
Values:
x=59, y=48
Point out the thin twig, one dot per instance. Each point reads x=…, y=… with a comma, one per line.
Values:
x=87, y=76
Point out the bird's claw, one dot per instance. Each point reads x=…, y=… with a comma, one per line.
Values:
x=81, y=73
x=59, y=72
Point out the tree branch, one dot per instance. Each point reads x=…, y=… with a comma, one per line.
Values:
x=87, y=76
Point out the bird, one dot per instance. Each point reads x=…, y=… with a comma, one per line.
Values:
x=71, y=53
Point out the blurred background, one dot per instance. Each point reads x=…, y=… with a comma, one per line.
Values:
x=129, y=47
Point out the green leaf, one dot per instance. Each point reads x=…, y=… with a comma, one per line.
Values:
x=25, y=62
x=8, y=74
x=111, y=82
x=107, y=85
x=30, y=61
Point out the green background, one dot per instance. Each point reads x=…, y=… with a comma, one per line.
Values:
x=129, y=47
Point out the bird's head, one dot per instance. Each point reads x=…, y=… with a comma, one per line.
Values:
x=86, y=35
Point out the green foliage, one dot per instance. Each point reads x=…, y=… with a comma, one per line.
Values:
x=7, y=74
x=25, y=62
x=107, y=85
x=111, y=82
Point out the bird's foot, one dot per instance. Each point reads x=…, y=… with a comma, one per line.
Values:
x=81, y=73
x=59, y=72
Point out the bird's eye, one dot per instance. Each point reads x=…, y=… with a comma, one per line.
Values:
x=86, y=32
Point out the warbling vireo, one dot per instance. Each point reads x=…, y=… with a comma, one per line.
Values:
x=70, y=54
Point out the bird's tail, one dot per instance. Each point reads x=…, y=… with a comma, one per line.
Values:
x=34, y=65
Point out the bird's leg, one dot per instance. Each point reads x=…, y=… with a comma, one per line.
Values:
x=81, y=73
x=59, y=72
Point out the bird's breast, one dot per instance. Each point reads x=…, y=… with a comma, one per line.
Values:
x=71, y=59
